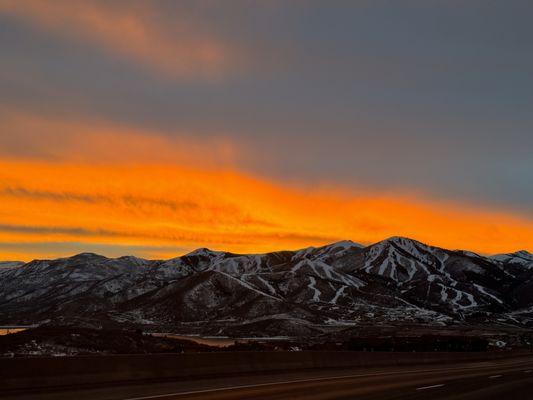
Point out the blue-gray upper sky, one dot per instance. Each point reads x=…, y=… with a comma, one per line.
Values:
x=427, y=96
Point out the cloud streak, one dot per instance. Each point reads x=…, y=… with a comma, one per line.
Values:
x=184, y=49
x=82, y=138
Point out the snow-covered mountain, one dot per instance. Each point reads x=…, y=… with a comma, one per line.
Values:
x=10, y=264
x=313, y=290
x=521, y=257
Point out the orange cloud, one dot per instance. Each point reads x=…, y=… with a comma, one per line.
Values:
x=172, y=206
x=85, y=139
x=185, y=50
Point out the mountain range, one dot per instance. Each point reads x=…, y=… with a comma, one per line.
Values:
x=339, y=287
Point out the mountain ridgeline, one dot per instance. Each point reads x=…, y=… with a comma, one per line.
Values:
x=341, y=286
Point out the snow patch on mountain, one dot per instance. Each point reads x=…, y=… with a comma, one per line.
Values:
x=522, y=257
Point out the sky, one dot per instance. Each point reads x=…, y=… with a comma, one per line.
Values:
x=154, y=128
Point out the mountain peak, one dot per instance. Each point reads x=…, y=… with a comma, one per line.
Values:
x=402, y=242
x=345, y=244
x=203, y=252
x=86, y=257
x=522, y=257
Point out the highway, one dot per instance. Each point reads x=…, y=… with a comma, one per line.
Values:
x=503, y=379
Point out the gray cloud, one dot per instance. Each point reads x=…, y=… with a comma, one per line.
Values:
x=88, y=198
x=424, y=96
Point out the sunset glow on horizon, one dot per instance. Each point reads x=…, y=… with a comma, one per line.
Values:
x=165, y=211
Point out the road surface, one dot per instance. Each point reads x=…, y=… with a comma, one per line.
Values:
x=509, y=380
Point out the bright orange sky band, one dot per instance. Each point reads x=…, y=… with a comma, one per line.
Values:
x=157, y=206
